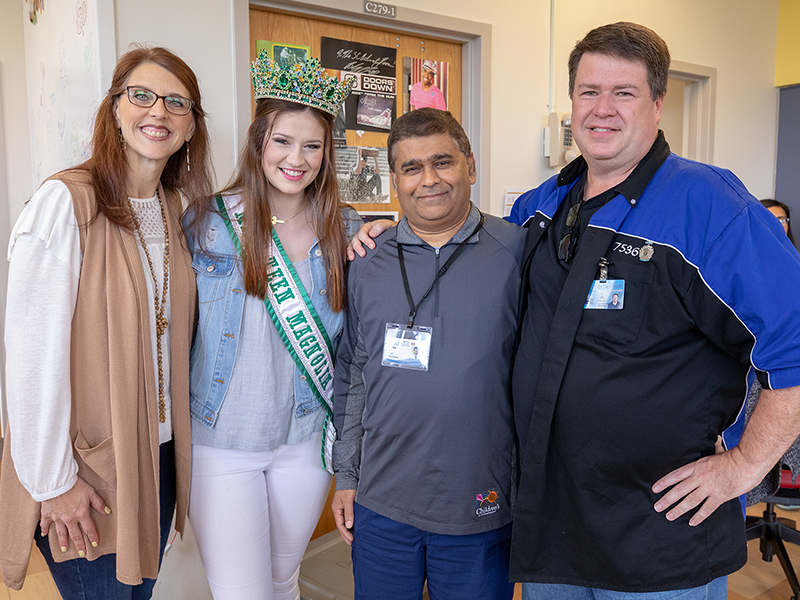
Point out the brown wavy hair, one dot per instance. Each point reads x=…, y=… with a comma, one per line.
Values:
x=107, y=164
x=323, y=193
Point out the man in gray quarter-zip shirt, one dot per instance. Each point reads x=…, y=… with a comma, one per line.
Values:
x=425, y=455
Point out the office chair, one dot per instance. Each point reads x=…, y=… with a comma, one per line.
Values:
x=773, y=531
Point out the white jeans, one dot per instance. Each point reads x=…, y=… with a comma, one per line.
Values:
x=253, y=514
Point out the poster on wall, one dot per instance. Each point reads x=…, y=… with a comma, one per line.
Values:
x=284, y=54
x=363, y=175
x=371, y=106
x=425, y=83
x=63, y=81
x=35, y=8
x=374, y=215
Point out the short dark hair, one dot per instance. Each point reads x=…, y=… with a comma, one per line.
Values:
x=770, y=203
x=630, y=41
x=422, y=123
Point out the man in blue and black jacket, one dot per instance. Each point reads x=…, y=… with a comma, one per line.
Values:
x=618, y=411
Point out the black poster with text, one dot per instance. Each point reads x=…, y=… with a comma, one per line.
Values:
x=372, y=105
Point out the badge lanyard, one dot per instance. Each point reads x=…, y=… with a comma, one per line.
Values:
x=412, y=313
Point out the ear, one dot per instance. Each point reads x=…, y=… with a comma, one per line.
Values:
x=190, y=131
x=393, y=177
x=115, y=111
x=659, y=108
x=473, y=171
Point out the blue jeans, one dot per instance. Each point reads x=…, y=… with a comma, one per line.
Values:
x=80, y=579
x=392, y=560
x=714, y=590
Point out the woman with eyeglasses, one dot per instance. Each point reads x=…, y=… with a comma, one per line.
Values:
x=781, y=212
x=99, y=320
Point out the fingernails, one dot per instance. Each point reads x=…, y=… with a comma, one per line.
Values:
x=94, y=544
x=81, y=553
x=108, y=510
x=349, y=524
x=63, y=548
x=670, y=517
x=658, y=506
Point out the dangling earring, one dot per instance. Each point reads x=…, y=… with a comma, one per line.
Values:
x=122, y=139
x=188, y=163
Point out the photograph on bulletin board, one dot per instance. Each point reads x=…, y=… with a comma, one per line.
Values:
x=363, y=175
x=374, y=215
x=371, y=106
x=284, y=54
x=425, y=83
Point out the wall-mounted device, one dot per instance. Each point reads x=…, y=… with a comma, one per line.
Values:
x=558, y=139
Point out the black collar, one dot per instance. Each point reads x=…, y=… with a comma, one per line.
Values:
x=634, y=185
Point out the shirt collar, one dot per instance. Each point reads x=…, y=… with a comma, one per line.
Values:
x=634, y=185
x=405, y=235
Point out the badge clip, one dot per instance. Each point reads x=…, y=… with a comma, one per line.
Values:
x=603, y=264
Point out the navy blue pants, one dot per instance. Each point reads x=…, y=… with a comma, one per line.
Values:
x=81, y=579
x=392, y=560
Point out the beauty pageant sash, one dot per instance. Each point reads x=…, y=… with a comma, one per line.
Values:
x=298, y=324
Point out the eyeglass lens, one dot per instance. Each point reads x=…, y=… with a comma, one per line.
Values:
x=177, y=105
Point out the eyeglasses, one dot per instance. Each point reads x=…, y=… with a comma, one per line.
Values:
x=783, y=220
x=567, y=245
x=177, y=105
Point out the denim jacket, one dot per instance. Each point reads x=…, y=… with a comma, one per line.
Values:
x=220, y=295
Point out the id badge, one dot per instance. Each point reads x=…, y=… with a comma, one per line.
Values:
x=606, y=294
x=406, y=347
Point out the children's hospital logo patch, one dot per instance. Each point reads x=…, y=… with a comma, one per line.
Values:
x=487, y=503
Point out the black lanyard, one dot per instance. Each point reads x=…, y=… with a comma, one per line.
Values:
x=412, y=308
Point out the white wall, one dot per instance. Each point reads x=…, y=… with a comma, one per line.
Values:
x=200, y=33
x=15, y=149
x=16, y=184
x=737, y=37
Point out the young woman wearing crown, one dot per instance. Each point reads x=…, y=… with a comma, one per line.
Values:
x=269, y=253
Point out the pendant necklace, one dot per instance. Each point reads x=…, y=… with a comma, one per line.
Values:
x=159, y=301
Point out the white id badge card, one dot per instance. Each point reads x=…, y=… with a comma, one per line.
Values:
x=406, y=347
x=606, y=295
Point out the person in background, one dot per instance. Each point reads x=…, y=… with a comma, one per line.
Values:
x=791, y=458
x=269, y=254
x=99, y=321
x=781, y=212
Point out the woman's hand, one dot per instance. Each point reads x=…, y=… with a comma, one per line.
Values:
x=71, y=515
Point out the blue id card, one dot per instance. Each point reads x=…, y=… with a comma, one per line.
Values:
x=608, y=294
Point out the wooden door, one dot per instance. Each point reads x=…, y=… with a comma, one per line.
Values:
x=295, y=29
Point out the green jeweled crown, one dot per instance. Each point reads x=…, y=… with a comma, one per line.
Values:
x=305, y=83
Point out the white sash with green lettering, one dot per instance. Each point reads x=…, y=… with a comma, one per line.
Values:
x=298, y=324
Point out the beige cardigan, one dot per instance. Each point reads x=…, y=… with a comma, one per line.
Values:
x=114, y=418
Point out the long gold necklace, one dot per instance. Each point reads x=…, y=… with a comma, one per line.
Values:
x=159, y=303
